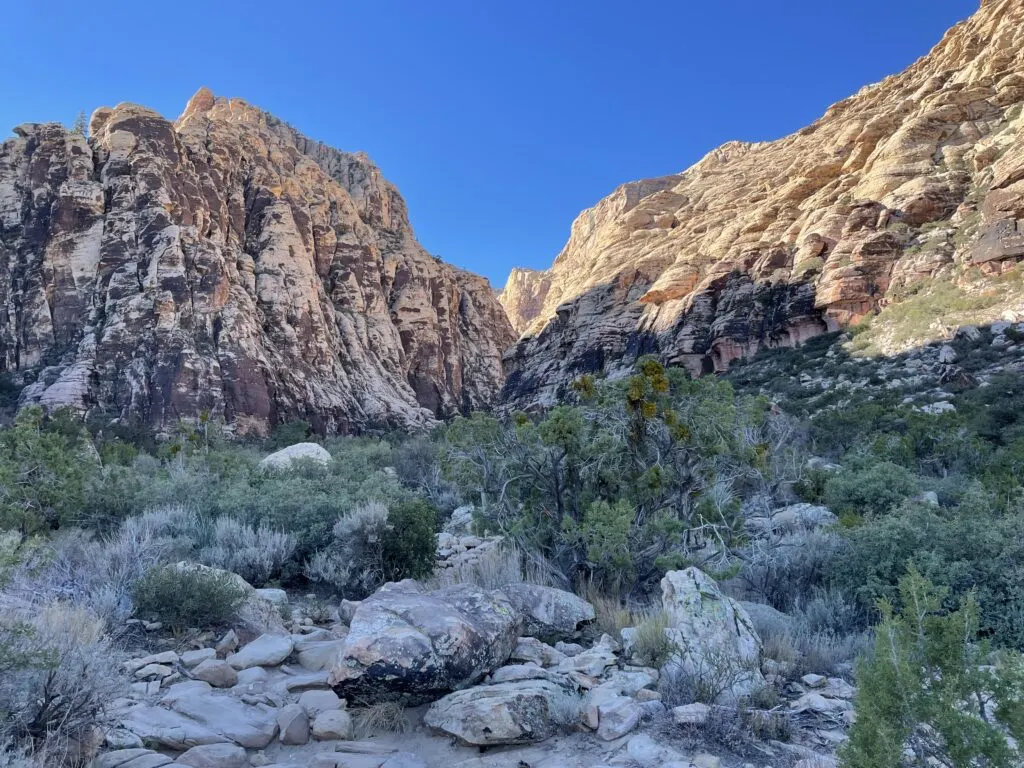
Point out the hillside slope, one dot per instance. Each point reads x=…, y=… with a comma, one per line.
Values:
x=905, y=199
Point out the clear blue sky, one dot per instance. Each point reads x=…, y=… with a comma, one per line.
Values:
x=498, y=121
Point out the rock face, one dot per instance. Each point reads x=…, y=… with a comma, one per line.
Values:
x=715, y=636
x=411, y=645
x=226, y=264
x=917, y=179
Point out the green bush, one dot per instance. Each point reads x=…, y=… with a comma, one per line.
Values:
x=875, y=490
x=189, y=596
x=974, y=547
x=931, y=689
x=42, y=473
x=410, y=546
x=650, y=643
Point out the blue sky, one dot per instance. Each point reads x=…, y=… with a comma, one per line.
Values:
x=498, y=121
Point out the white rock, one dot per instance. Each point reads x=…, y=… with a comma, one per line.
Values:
x=275, y=596
x=264, y=651
x=315, y=702
x=618, y=717
x=293, y=725
x=333, y=724
x=710, y=628
x=282, y=459
x=217, y=673
x=691, y=714
x=214, y=756
x=191, y=658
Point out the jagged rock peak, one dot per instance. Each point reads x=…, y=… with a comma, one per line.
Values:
x=916, y=179
x=225, y=263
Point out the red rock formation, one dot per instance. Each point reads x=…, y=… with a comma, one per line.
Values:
x=224, y=263
x=917, y=178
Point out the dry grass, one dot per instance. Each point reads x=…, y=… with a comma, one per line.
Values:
x=383, y=717
x=650, y=643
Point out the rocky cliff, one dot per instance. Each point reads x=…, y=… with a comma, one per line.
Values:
x=226, y=264
x=909, y=194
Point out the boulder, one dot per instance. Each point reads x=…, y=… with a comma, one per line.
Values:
x=645, y=751
x=617, y=717
x=323, y=654
x=162, y=727
x=293, y=725
x=283, y=459
x=715, y=636
x=276, y=596
x=409, y=644
x=691, y=714
x=214, y=756
x=504, y=713
x=191, y=659
x=247, y=726
x=264, y=651
x=335, y=724
x=549, y=614
x=217, y=673
x=315, y=702
x=131, y=758
x=594, y=661
x=531, y=649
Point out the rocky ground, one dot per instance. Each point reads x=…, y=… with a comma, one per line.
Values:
x=833, y=371
x=302, y=693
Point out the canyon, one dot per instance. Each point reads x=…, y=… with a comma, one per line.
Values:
x=912, y=183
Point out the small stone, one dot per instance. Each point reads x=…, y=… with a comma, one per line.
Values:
x=191, y=658
x=293, y=723
x=217, y=673
x=334, y=724
x=704, y=760
x=814, y=681
x=153, y=670
x=691, y=714
x=315, y=702
x=227, y=644
x=214, y=756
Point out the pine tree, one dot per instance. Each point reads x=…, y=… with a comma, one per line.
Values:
x=931, y=690
x=79, y=125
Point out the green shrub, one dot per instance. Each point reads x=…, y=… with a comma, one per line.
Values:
x=41, y=474
x=875, y=490
x=372, y=544
x=931, y=689
x=410, y=546
x=189, y=596
x=650, y=643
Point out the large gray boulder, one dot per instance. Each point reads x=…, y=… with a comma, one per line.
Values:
x=517, y=712
x=715, y=637
x=549, y=614
x=413, y=645
x=247, y=726
x=283, y=459
x=215, y=756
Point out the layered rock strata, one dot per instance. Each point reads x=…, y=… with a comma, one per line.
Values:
x=224, y=264
x=918, y=178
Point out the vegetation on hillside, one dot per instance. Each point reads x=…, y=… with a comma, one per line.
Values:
x=602, y=494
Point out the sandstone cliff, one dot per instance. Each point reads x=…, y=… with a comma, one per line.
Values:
x=224, y=263
x=913, y=182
